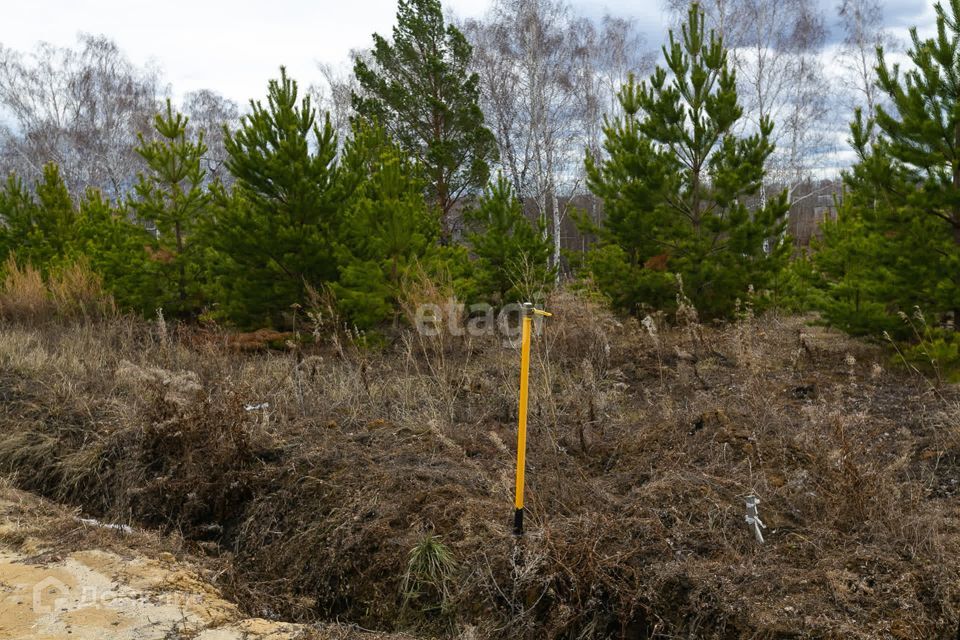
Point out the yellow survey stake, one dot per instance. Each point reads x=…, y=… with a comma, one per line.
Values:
x=528, y=313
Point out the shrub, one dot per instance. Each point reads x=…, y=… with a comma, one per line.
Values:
x=933, y=349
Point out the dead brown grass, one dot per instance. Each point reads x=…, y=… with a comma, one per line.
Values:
x=24, y=293
x=73, y=292
x=313, y=473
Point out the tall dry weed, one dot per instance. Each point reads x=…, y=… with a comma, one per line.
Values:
x=77, y=292
x=24, y=296
x=71, y=292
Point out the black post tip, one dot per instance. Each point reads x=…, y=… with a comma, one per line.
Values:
x=518, y=522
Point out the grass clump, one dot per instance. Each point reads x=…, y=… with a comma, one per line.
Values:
x=428, y=583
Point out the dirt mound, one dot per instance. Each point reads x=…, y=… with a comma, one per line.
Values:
x=374, y=485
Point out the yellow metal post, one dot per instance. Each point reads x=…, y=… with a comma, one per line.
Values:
x=528, y=313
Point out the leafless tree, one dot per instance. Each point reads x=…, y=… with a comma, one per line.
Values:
x=210, y=112
x=805, y=142
x=773, y=46
x=863, y=33
x=608, y=54
x=502, y=102
x=81, y=108
x=730, y=19
x=548, y=76
x=802, y=115
x=334, y=93
x=526, y=62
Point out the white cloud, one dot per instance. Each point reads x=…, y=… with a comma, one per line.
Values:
x=232, y=47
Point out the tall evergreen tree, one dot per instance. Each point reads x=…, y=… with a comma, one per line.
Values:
x=676, y=183
x=512, y=253
x=922, y=136
x=421, y=89
x=173, y=197
x=275, y=232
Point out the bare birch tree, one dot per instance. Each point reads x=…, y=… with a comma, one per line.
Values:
x=803, y=115
x=547, y=78
x=334, y=93
x=863, y=33
x=81, y=108
x=730, y=19
x=609, y=53
x=526, y=57
x=210, y=112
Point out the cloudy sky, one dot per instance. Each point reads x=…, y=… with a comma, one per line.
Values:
x=235, y=46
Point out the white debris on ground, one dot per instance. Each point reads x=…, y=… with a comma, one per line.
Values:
x=90, y=522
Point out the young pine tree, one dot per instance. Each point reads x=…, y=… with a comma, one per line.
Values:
x=56, y=215
x=117, y=250
x=386, y=228
x=17, y=211
x=896, y=243
x=513, y=255
x=676, y=183
x=857, y=257
x=275, y=232
x=421, y=89
x=921, y=136
x=37, y=227
x=172, y=195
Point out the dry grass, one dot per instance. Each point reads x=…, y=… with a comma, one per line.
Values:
x=77, y=293
x=24, y=295
x=644, y=440
x=73, y=292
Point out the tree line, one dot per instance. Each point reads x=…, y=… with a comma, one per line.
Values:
x=284, y=203
x=421, y=158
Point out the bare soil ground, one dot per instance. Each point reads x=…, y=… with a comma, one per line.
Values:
x=65, y=578
x=335, y=481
